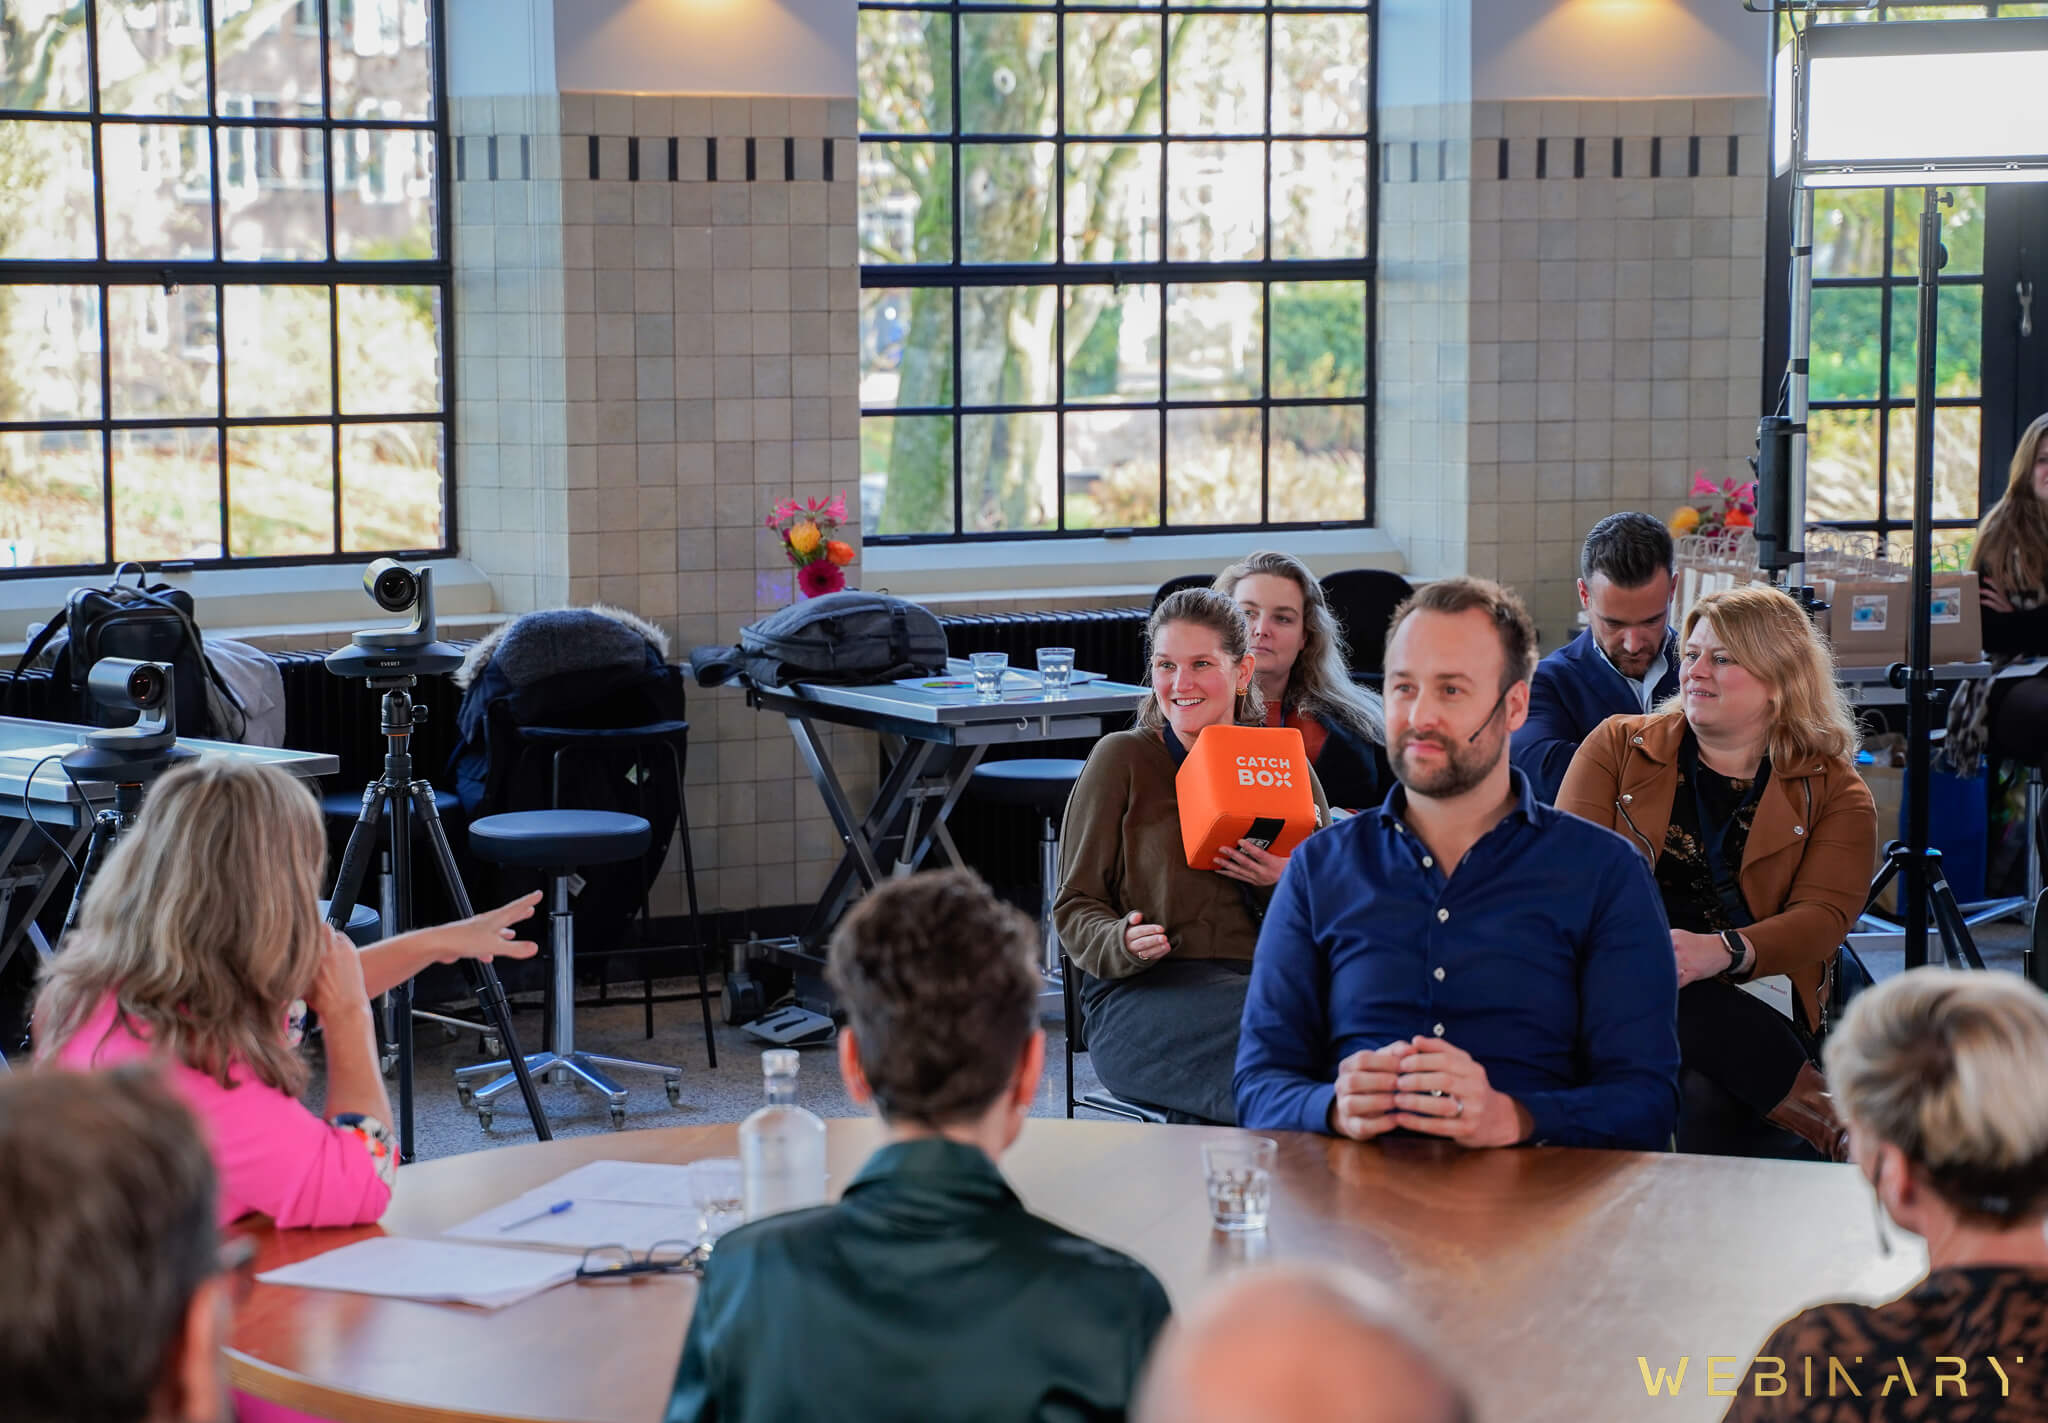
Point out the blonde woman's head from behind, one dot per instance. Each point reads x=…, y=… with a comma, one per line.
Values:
x=204, y=924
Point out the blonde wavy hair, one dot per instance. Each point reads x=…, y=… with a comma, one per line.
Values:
x=1769, y=636
x=1320, y=684
x=1205, y=607
x=2012, y=542
x=203, y=925
x=1946, y=1066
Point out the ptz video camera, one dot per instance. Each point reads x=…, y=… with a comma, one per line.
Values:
x=409, y=650
x=395, y=587
x=147, y=688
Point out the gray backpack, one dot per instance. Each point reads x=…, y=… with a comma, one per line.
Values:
x=848, y=638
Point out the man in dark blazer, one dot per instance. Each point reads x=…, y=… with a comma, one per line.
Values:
x=1623, y=664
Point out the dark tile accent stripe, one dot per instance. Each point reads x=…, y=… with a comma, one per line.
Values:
x=1692, y=157
x=1548, y=159
x=1543, y=158
x=1657, y=157
x=1578, y=158
x=477, y=151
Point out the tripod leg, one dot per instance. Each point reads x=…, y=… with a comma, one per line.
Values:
x=483, y=979
x=103, y=827
x=1957, y=944
x=361, y=849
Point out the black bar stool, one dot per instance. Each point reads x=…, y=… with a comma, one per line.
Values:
x=1041, y=785
x=559, y=842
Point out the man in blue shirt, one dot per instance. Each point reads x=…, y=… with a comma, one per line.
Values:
x=1623, y=664
x=1464, y=961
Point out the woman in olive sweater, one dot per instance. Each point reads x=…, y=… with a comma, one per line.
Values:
x=1164, y=951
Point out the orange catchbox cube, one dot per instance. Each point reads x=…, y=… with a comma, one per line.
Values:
x=1244, y=782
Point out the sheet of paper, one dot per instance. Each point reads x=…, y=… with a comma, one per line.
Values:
x=644, y=1183
x=637, y=1225
x=432, y=1270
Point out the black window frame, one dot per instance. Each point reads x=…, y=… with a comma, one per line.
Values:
x=330, y=274
x=1264, y=272
x=1999, y=399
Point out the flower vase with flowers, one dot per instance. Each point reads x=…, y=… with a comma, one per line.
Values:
x=1715, y=509
x=806, y=531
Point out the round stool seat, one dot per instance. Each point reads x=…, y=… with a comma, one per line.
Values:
x=347, y=805
x=1039, y=783
x=364, y=927
x=559, y=839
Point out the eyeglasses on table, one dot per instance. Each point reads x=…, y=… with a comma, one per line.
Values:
x=604, y=1263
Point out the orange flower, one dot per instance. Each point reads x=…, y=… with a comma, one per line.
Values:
x=805, y=537
x=1738, y=520
x=839, y=551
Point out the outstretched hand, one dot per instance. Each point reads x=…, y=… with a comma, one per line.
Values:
x=488, y=935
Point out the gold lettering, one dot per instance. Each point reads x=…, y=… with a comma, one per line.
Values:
x=1806, y=1366
x=1834, y=1368
x=2004, y=1383
x=1716, y=1376
x=1906, y=1373
x=1655, y=1386
x=1759, y=1376
x=1960, y=1378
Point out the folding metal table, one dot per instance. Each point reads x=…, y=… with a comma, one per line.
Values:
x=923, y=731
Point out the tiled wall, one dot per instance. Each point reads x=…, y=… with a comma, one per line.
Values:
x=1616, y=319
x=511, y=425
x=702, y=337
x=1571, y=324
x=1423, y=471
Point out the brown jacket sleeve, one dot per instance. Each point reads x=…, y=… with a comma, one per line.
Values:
x=1828, y=889
x=1089, y=910
x=1593, y=780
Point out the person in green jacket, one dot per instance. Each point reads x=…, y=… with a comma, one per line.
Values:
x=928, y=1291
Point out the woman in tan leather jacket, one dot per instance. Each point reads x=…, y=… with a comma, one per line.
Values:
x=1742, y=792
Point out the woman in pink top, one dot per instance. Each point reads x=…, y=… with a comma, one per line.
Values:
x=201, y=944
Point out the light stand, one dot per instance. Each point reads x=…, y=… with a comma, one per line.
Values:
x=392, y=660
x=1913, y=862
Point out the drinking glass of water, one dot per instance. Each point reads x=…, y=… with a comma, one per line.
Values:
x=717, y=1192
x=1056, y=669
x=1240, y=1177
x=988, y=674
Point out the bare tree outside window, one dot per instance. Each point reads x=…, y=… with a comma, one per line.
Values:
x=223, y=281
x=1116, y=267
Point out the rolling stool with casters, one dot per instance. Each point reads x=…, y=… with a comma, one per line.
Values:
x=344, y=807
x=559, y=842
x=1101, y=1100
x=1041, y=785
x=671, y=740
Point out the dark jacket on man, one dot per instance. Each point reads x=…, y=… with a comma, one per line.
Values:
x=1574, y=690
x=927, y=1292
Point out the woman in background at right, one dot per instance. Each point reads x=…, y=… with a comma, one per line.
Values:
x=2011, y=559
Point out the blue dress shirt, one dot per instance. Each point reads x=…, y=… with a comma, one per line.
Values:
x=1575, y=689
x=1546, y=957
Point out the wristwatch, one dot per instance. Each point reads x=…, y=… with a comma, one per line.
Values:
x=1736, y=952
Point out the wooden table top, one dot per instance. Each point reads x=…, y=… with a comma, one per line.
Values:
x=1543, y=1273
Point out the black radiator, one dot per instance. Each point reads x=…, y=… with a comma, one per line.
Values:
x=1003, y=846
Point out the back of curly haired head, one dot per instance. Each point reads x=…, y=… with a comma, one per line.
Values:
x=939, y=981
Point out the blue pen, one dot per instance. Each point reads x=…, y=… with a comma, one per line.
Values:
x=556, y=1209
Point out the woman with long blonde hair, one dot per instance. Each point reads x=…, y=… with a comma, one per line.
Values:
x=200, y=945
x=1304, y=677
x=1743, y=795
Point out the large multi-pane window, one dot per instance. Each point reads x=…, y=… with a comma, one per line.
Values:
x=1862, y=432
x=1116, y=267
x=223, y=281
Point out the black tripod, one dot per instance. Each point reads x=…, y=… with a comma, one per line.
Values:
x=396, y=796
x=1915, y=864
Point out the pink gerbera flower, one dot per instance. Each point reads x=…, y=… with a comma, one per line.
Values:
x=817, y=579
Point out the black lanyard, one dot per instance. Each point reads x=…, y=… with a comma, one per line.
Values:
x=1714, y=836
x=1173, y=746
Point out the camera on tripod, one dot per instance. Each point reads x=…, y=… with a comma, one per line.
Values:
x=147, y=747
x=410, y=650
